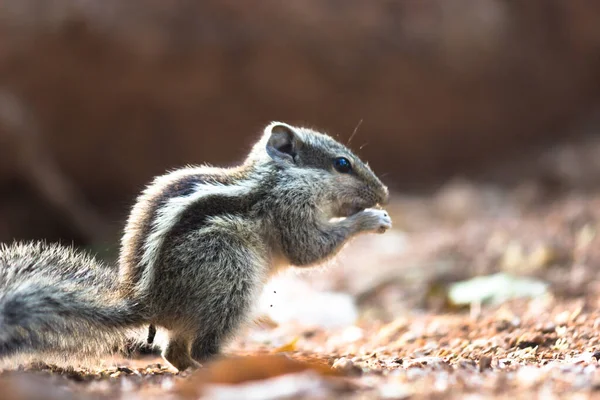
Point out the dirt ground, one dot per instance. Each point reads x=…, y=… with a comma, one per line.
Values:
x=394, y=316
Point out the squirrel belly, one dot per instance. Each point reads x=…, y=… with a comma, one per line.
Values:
x=198, y=247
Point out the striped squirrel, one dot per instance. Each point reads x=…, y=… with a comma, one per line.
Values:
x=198, y=247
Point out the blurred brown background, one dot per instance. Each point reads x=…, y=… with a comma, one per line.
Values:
x=96, y=97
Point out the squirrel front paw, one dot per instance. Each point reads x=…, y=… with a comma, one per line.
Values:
x=372, y=220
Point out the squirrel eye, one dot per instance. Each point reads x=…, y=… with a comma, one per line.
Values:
x=342, y=164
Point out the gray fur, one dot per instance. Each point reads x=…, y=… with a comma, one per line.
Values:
x=198, y=247
x=53, y=300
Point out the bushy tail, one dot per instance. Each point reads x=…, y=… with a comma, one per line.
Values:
x=61, y=320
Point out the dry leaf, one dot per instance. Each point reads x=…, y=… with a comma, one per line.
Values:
x=238, y=370
x=291, y=346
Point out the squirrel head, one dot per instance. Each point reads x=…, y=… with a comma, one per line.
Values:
x=344, y=184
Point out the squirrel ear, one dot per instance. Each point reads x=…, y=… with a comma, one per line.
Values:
x=283, y=143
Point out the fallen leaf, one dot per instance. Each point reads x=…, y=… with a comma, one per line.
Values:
x=291, y=346
x=238, y=370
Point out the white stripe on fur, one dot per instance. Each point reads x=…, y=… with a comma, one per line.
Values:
x=169, y=214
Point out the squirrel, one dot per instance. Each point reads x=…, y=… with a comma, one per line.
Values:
x=198, y=247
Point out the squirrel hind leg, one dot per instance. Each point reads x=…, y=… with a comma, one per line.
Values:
x=205, y=348
x=177, y=352
x=228, y=267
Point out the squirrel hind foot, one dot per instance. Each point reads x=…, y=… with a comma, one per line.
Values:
x=177, y=353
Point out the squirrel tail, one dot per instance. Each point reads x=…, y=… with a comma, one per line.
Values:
x=50, y=307
x=61, y=320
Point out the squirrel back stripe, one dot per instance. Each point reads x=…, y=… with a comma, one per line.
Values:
x=155, y=211
x=170, y=214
